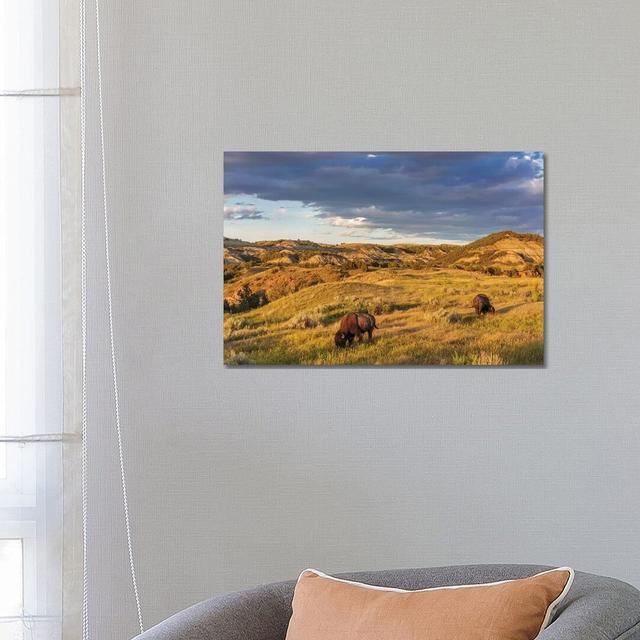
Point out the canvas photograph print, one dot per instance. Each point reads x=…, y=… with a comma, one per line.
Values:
x=384, y=258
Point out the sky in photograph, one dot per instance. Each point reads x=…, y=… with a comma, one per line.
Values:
x=382, y=197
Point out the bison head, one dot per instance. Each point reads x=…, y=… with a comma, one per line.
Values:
x=340, y=339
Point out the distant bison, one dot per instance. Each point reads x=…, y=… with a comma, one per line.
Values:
x=482, y=304
x=354, y=325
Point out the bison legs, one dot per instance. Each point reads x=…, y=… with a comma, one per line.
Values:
x=369, y=333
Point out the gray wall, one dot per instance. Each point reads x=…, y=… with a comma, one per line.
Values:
x=237, y=477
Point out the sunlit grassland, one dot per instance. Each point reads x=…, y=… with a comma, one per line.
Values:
x=424, y=318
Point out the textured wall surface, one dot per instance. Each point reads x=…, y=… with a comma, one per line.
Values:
x=238, y=477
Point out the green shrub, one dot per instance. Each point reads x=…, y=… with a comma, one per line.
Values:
x=244, y=299
x=381, y=306
x=233, y=324
x=236, y=357
x=486, y=358
x=435, y=315
x=232, y=271
x=309, y=319
x=303, y=320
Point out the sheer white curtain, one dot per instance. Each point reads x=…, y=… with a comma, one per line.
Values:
x=39, y=334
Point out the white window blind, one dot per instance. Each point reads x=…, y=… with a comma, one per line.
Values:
x=33, y=444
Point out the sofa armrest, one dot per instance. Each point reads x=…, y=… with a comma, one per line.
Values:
x=258, y=614
x=597, y=608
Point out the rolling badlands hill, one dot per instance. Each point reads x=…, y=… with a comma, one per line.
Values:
x=503, y=251
x=257, y=272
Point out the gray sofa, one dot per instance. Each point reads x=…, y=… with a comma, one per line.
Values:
x=596, y=608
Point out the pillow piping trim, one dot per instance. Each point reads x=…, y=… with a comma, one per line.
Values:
x=552, y=607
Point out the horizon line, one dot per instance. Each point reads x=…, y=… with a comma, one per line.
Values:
x=388, y=244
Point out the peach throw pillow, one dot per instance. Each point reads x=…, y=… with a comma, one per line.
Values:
x=326, y=608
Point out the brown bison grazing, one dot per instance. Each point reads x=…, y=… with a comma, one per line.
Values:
x=482, y=304
x=352, y=326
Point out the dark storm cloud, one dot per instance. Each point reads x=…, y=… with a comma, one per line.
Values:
x=454, y=195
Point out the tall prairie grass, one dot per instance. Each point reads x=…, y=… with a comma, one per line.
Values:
x=424, y=318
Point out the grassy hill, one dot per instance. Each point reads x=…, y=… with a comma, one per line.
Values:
x=505, y=251
x=284, y=300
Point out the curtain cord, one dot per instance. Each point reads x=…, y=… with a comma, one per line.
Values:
x=114, y=369
x=83, y=313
